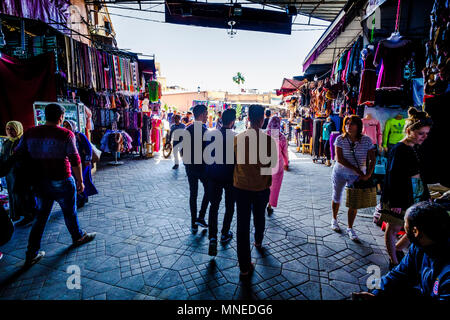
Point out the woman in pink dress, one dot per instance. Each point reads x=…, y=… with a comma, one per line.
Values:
x=156, y=133
x=274, y=130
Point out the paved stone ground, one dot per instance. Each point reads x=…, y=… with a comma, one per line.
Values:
x=144, y=248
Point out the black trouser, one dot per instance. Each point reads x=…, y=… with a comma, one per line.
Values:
x=193, y=177
x=246, y=202
x=326, y=149
x=215, y=188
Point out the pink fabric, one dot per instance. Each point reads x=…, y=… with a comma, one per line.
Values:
x=155, y=134
x=277, y=172
x=333, y=137
x=372, y=129
x=88, y=113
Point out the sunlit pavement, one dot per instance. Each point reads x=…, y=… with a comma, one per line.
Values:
x=144, y=248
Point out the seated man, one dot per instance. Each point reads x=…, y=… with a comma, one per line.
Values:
x=425, y=270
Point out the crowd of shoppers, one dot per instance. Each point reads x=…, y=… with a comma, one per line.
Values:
x=60, y=157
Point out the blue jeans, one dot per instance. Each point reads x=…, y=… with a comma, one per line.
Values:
x=64, y=192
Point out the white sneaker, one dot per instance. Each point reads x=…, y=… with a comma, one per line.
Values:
x=335, y=225
x=352, y=234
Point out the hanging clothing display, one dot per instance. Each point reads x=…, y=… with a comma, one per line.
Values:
x=153, y=91
x=156, y=133
x=372, y=129
x=88, y=67
x=109, y=141
x=391, y=55
x=368, y=79
x=437, y=70
x=393, y=132
x=22, y=82
x=317, y=134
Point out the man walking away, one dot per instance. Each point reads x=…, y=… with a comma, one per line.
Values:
x=53, y=151
x=176, y=151
x=220, y=177
x=252, y=187
x=268, y=113
x=195, y=166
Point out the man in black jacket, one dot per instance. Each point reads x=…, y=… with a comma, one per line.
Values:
x=195, y=166
x=220, y=177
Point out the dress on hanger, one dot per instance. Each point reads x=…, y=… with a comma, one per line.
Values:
x=392, y=54
x=372, y=129
x=368, y=82
x=156, y=133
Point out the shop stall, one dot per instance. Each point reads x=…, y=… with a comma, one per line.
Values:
x=381, y=63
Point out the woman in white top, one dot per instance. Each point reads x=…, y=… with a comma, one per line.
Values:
x=353, y=149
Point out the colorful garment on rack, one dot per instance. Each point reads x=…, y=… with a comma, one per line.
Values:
x=88, y=67
x=153, y=91
x=156, y=133
x=368, y=81
x=392, y=56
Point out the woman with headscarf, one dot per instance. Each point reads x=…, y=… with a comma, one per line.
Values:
x=21, y=201
x=85, y=150
x=274, y=130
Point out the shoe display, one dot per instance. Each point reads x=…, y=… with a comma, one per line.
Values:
x=202, y=223
x=87, y=237
x=31, y=261
x=352, y=234
x=227, y=237
x=335, y=225
x=212, y=250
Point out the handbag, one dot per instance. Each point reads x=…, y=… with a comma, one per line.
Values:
x=391, y=217
x=361, y=194
x=380, y=165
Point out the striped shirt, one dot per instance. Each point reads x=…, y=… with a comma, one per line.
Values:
x=360, y=147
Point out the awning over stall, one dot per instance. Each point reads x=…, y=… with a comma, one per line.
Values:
x=288, y=87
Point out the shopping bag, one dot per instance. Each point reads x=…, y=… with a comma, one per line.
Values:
x=95, y=154
x=360, y=198
x=380, y=166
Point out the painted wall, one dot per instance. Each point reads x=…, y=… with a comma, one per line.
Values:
x=182, y=101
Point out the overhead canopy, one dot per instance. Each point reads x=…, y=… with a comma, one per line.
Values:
x=341, y=33
x=320, y=9
x=326, y=10
x=213, y=15
x=288, y=87
x=147, y=66
x=53, y=12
